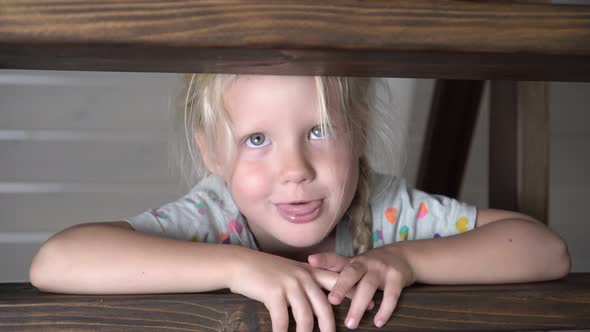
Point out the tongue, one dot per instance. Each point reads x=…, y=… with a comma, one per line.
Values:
x=300, y=208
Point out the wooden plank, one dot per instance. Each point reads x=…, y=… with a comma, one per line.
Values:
x=404, y=38
x=533, y=105
x=452, y=118
x=503, y=152
x=519, y=147
x=555, y=305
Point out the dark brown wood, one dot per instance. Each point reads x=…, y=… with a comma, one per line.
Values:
x=533, y=194
x=519, y=147
x=556, y=305
x=406, y=38
x=454, y=110
x=503, y=160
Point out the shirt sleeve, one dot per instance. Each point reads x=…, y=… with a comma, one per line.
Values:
x=402, y=213
x=206, y=214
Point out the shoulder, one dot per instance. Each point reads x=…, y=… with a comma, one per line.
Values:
x=212, y=200
x=212, y=192
x=404, y=213
x=206, y=214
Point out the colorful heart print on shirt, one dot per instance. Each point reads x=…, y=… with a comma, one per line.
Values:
x=159, y=214
x=234, y=227
x=423, y=211
x=200, y=208
x=391, y=215
x=377, y=236
x=439, y=198
x=404, y=233
x=461, y=224
x=224, y=238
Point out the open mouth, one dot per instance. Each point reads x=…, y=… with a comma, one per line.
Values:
x=300, y=212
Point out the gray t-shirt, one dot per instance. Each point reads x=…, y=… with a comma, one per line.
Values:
x=208, y=214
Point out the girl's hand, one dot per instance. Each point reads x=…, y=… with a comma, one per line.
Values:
x=278, y=283
x=384, y=268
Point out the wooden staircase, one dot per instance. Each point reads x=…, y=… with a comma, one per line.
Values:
x=460, y=43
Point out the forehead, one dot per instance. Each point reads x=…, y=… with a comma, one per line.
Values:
x=266, y=91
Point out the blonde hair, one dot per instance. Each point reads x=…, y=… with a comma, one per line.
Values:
x=201, y=109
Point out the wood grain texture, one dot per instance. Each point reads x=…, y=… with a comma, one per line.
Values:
x=556, y=305
x=405, y=38
x=519, y=147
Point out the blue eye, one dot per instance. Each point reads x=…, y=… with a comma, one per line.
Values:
x=319, y=132
x=257, y=140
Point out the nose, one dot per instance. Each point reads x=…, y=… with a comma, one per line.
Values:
x=295, y=166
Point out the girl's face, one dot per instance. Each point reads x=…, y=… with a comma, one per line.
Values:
x=290, y=180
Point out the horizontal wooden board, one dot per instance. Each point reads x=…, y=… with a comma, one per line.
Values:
x=557, y=305
x=400, y=38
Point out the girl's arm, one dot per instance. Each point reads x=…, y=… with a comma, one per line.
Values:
x=504, y=247
x=110, y=258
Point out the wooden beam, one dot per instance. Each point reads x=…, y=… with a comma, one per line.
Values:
x=451, y=122
x=555, y=305
x=519, y=147
x=404, y=38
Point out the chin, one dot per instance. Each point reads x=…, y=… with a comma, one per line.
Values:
x=300, y=243
x=302, y=240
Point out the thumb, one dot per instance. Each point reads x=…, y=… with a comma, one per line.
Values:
x=328, y=261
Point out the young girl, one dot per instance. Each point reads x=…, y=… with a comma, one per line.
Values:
x=285, y=177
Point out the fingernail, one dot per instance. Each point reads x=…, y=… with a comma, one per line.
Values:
x=350, y=323
x=379, y=323
x=333, y=299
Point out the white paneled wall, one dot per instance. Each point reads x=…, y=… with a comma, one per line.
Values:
x=87, y=146
x=79, y=147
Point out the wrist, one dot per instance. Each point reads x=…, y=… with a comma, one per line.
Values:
x=406, y=260
x=213, y=266
x=236, y=266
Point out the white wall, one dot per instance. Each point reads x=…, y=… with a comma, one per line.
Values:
x=87, y=146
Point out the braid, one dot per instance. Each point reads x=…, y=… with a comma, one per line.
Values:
x=360, y=213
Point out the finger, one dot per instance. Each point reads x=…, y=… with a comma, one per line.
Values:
x=391, y=293
x=350, y=295
x=279, y=315
x=321, y=308
x=371, y=305
x=327, y=280
x=301, y=310
x=329, y=261
x=349, y=276
x=365, y=290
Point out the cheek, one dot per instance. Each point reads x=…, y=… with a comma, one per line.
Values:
x=341, y=161
x=248, y=182
x=343, y=171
